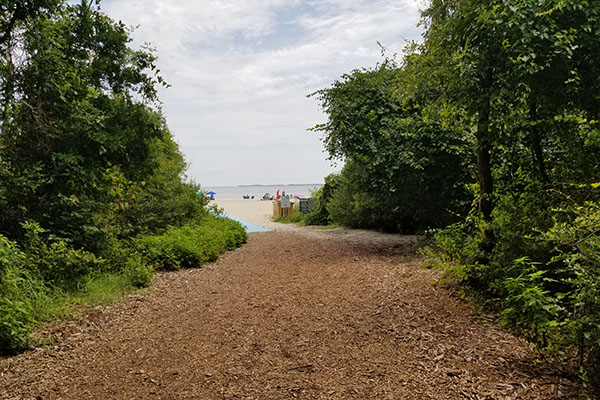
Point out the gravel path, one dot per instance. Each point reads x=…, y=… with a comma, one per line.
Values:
x=295, y=313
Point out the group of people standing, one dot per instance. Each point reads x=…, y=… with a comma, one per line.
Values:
x=278, y=196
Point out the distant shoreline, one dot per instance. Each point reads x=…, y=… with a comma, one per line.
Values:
x=264, y=185
x=259, y=191
x=282, y=184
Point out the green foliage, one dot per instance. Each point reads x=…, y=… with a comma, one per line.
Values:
x=402, y=172
x=10, y=255
x=192, y=245
x=556, y=303
x=87, y=163
x=497, y=107
x=15, y=313
x=15, y=309
x=459, y=242
x=341, y=207
x=97, y=290
x=528, y=305
x=57, y=263
x=45, y=279
x=576, y=244
x=80, y=136
x=553, y=301
x=136, y=273
x=319, y=215
x=160, y=201
x=296, y=218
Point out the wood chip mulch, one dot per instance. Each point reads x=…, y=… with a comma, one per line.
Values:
x=288, y=316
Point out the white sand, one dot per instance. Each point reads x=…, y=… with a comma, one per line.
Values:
x=256, y=212
x=260, y=213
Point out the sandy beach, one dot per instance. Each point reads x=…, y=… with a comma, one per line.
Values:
x=257, y=212
x=260, y=213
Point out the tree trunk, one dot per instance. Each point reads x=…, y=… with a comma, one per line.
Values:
x=6, y=48
x=536, y=144
x=484, y=145
x=484, y=165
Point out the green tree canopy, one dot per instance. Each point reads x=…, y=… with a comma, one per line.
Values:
x=79, y=106
x=403, y=172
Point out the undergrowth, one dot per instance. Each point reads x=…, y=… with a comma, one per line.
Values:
x=296, y=218
x=46, y=279
x=550, y=294
x=191, y=245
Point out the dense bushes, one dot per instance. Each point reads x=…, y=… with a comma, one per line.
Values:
x=36, y=284
x=532, y=244
x=403, y=172
x=319, y=215
x=489, y=127
x=551, y=295
x=56, y=263
x=191, y=245
x=15, y=308
x=88, y=168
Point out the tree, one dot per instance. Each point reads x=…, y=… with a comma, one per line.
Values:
x=516, y=75
x=402, y=172
x=80, y=109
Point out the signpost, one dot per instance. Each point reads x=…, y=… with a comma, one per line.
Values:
x=283, y=207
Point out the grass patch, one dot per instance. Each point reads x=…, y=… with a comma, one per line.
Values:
x=104, y=289
x=50, y=281
x=325, y=227
x=98, y=290
x=295, y=218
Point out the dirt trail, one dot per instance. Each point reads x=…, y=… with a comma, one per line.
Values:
x=287, y=316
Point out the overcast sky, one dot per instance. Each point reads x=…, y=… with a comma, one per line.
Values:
x=240, y=71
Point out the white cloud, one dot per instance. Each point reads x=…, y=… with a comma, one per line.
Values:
x=240, y=71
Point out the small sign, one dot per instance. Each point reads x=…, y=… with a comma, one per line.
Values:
x=306, y=205
x=285, y=201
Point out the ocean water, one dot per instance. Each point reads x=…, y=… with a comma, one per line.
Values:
x=237, y=192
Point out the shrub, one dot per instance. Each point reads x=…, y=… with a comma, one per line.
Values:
x=551, y=294
x=45, y=280
x=10, y=256
x=61, y=266
x=577, y=258
x=319, y=215
x=136, y=273
x=191, y=245
x=15, y=308
x=15, y=314
x=529, y=306
x=56, y=263
x=340, y=205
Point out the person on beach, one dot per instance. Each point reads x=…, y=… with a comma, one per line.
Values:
x=278, y=197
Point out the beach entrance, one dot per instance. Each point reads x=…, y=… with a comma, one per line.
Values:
x=297, y=312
